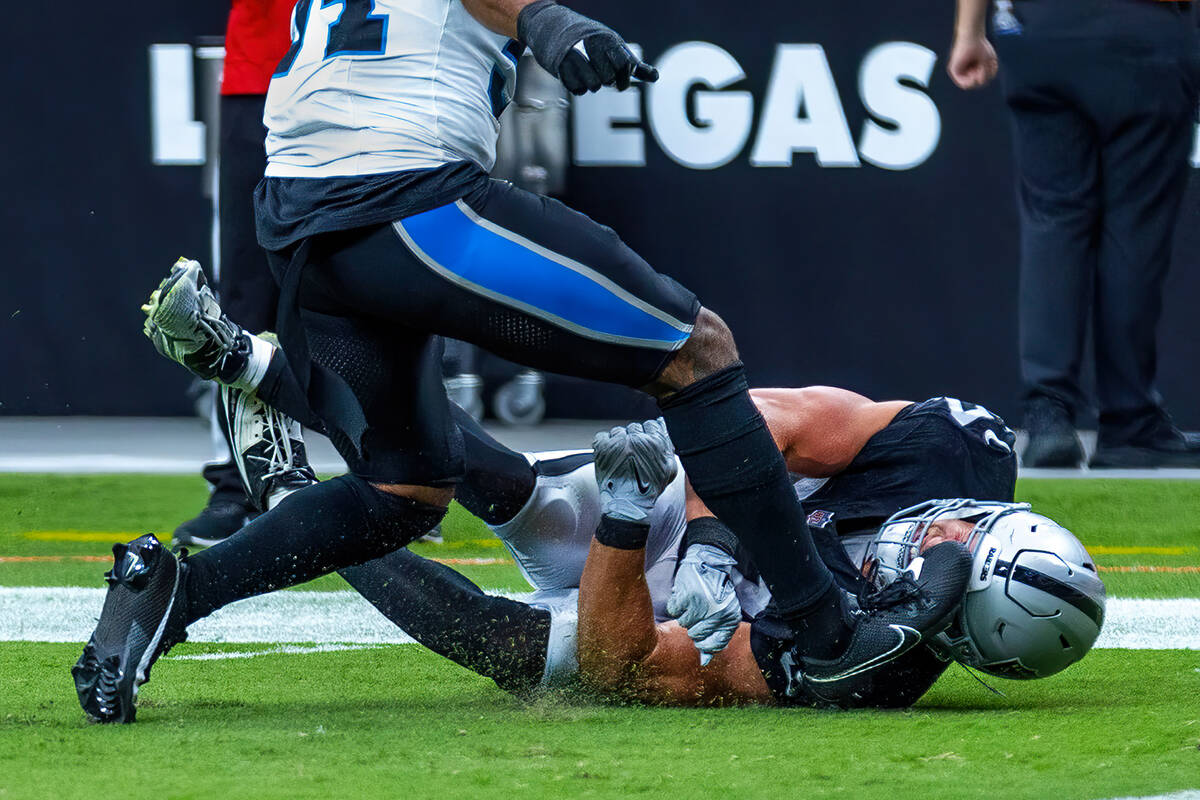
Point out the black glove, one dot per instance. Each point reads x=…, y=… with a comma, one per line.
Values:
x=580, y=52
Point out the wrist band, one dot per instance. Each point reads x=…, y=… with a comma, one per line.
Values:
x=711, y=531
x=622, y=534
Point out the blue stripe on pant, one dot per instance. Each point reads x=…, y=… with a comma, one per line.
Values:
x=484, y=258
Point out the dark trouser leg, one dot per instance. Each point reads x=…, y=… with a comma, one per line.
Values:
x=1057, y=193
x=1145, y=166
x=499, y=638
x=246, y=286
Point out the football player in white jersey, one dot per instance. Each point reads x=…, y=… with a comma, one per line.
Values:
x=384, y=232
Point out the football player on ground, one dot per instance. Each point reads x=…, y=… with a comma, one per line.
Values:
x=383, y=230
x=547, y=509
x=616, y=627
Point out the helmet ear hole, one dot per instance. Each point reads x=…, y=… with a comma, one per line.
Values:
x=1000, y=629
x=1066, y=645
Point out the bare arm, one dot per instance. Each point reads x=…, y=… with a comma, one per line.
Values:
x=499, y=16
x=622, y=652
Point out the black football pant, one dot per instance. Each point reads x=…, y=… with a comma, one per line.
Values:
x=1103, y=100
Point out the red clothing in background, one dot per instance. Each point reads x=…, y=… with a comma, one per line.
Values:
x=258, y=34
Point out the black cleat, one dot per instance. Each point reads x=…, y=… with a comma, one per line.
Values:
x=225, y=515
x=1052, y=438
x=895, y=619
x=143, y=617
x=1145, y=441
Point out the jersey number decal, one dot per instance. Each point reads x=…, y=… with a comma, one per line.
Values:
x=965, y=416
x=355, y=32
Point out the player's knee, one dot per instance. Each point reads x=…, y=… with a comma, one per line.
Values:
x=709, y=349
x=393, y=514
x=430, y=495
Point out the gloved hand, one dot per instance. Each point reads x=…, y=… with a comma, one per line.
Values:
x=581, y=52
x=703, y=600
x=634, y=464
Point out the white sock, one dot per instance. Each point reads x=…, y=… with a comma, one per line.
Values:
x=256, y=364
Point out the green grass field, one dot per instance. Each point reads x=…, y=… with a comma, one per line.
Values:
x=395, y=719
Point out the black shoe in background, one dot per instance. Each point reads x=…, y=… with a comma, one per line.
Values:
x=1052, y=438
x=225, y=515
x=1143, y=440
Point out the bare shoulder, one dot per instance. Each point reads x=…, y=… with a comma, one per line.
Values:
x=820, y=429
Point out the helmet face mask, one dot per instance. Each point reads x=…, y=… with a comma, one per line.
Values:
x=1034, y=603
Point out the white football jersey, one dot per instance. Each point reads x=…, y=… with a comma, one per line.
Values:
x=376, y=86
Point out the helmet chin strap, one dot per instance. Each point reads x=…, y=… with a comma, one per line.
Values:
x=982, y=682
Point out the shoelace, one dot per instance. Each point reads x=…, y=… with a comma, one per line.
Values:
x=902, y=590
x=279, y=447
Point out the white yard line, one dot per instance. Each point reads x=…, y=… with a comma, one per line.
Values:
x=1186, y=794
x=68, y=614
x=283, y=649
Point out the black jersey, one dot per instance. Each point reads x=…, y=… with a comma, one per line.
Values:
x=935, y=449
x=939, y=448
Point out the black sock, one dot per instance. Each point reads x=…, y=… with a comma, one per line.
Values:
x=327, y=526
x=498, y=481
x=737, y=470
x=824, y=631
x=499, y=638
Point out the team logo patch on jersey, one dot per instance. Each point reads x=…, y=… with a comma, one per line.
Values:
x=820, y=518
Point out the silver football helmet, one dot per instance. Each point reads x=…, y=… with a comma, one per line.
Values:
x=1035, y=602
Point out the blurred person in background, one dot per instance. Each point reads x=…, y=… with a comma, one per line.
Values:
x=1103, y=98
x=256, y=37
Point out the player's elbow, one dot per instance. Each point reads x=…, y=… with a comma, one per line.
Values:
x=616, y=671
x=605, y=672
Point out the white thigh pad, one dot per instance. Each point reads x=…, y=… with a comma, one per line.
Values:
x=562, y=651
x=549, y=538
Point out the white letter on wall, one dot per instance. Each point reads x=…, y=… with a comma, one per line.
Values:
x=801, y=75
x=597, y=143
x=724, y=118
x=918, y=125
x=177, y=137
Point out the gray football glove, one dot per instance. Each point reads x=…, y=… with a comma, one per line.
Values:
x=703, y=600
x=633, y=466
